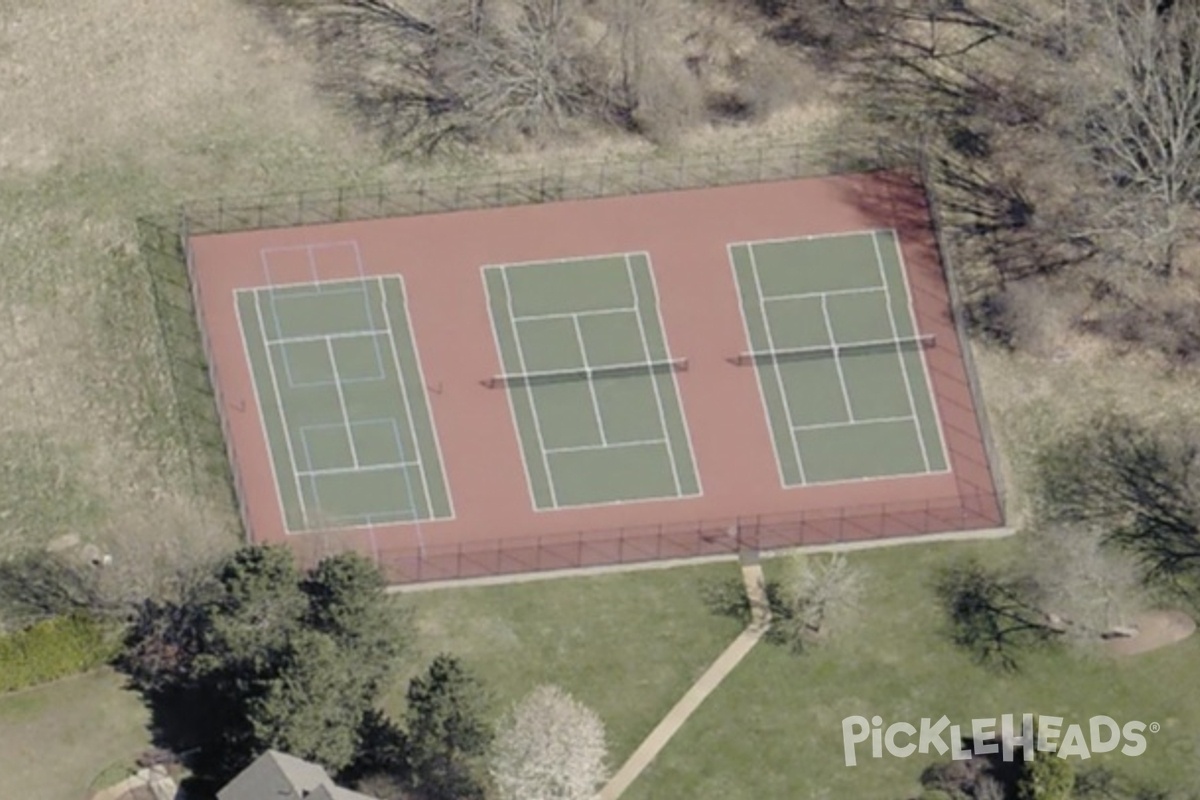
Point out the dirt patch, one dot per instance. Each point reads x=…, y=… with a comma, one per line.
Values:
x=1155, y=629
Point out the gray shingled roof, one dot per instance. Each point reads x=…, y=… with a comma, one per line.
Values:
x=278, y=776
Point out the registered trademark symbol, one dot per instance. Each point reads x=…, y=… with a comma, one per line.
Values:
x=1155, y=727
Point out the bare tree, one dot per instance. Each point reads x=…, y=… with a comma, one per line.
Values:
x=551, y=747
x=1139, y=122
x=1088, y=588
x=818, y=593
x=519, y=72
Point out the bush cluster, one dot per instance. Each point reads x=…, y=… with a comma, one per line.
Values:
x=53, y=648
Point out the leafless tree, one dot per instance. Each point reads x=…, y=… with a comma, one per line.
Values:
x=522, y=71
x=551, y=747
x=1138, y=120
x=819, y=593
x=1089, y=588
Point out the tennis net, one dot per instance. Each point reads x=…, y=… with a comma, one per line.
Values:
x=903, y=344
x=586, y=373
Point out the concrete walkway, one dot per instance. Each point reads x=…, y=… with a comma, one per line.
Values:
x=653, y=744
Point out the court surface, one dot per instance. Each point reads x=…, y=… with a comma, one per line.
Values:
x=591, y=381
x=343, y=403
x=839, y=360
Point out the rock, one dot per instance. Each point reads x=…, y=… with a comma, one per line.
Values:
x=1120, y=632
x=64, y=542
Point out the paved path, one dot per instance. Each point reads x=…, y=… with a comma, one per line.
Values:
x=654, y=743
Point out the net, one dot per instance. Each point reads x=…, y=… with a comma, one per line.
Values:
x=904, y=344
x=586, y=373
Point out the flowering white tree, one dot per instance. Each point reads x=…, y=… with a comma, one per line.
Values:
x=550, y=747
x=819, y=593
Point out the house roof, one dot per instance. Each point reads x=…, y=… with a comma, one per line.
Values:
x=279, y=776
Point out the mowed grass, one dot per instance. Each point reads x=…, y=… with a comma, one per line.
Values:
x=56, y=739
x=773, y=728
x=627, y=645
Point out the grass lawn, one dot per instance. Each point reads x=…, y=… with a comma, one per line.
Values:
x=54, y=740
x=773, y=729
x=627, y=645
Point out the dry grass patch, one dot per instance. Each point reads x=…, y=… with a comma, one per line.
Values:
x=179, y=99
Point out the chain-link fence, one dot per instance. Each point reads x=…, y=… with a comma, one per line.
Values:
x=197, y=386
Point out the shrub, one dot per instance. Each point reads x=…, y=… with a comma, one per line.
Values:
x=53, y=648
x=938, y=794
x=1047, y=777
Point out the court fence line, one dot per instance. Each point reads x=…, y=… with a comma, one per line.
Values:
x=949, y=272
x=699, y=539
x=199, y=399
x=580, y=180
x=242, y=498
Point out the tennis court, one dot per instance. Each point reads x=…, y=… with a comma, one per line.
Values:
x=839, y=360
x=591, y=381
x=343, y=402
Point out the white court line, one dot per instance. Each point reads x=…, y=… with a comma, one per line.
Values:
x=308, y=473
x=787, y=406
x=912, y=318
x=662, y=329
x=809, y=238
x=591, y=383
x=596, y=312
x=658, y=401
x=555, y=261
x=312, y=262
x=509, y=396
x=283, y=248
x=759, y=376
x=613, y=446
x=912, y=404
x=829, y=293
x=407, y=408
x=262, y=421
x=320, y=337
x=837, y=359
x=437, y=442
x=366, y=298
x=291, y=291
x=821, y=425
x=537, y=425
x=287, y=434
x=397, y=514
x=342, y=401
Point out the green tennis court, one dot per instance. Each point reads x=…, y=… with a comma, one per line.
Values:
x=343, y=402
x=591, y=381
x=839, y=360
